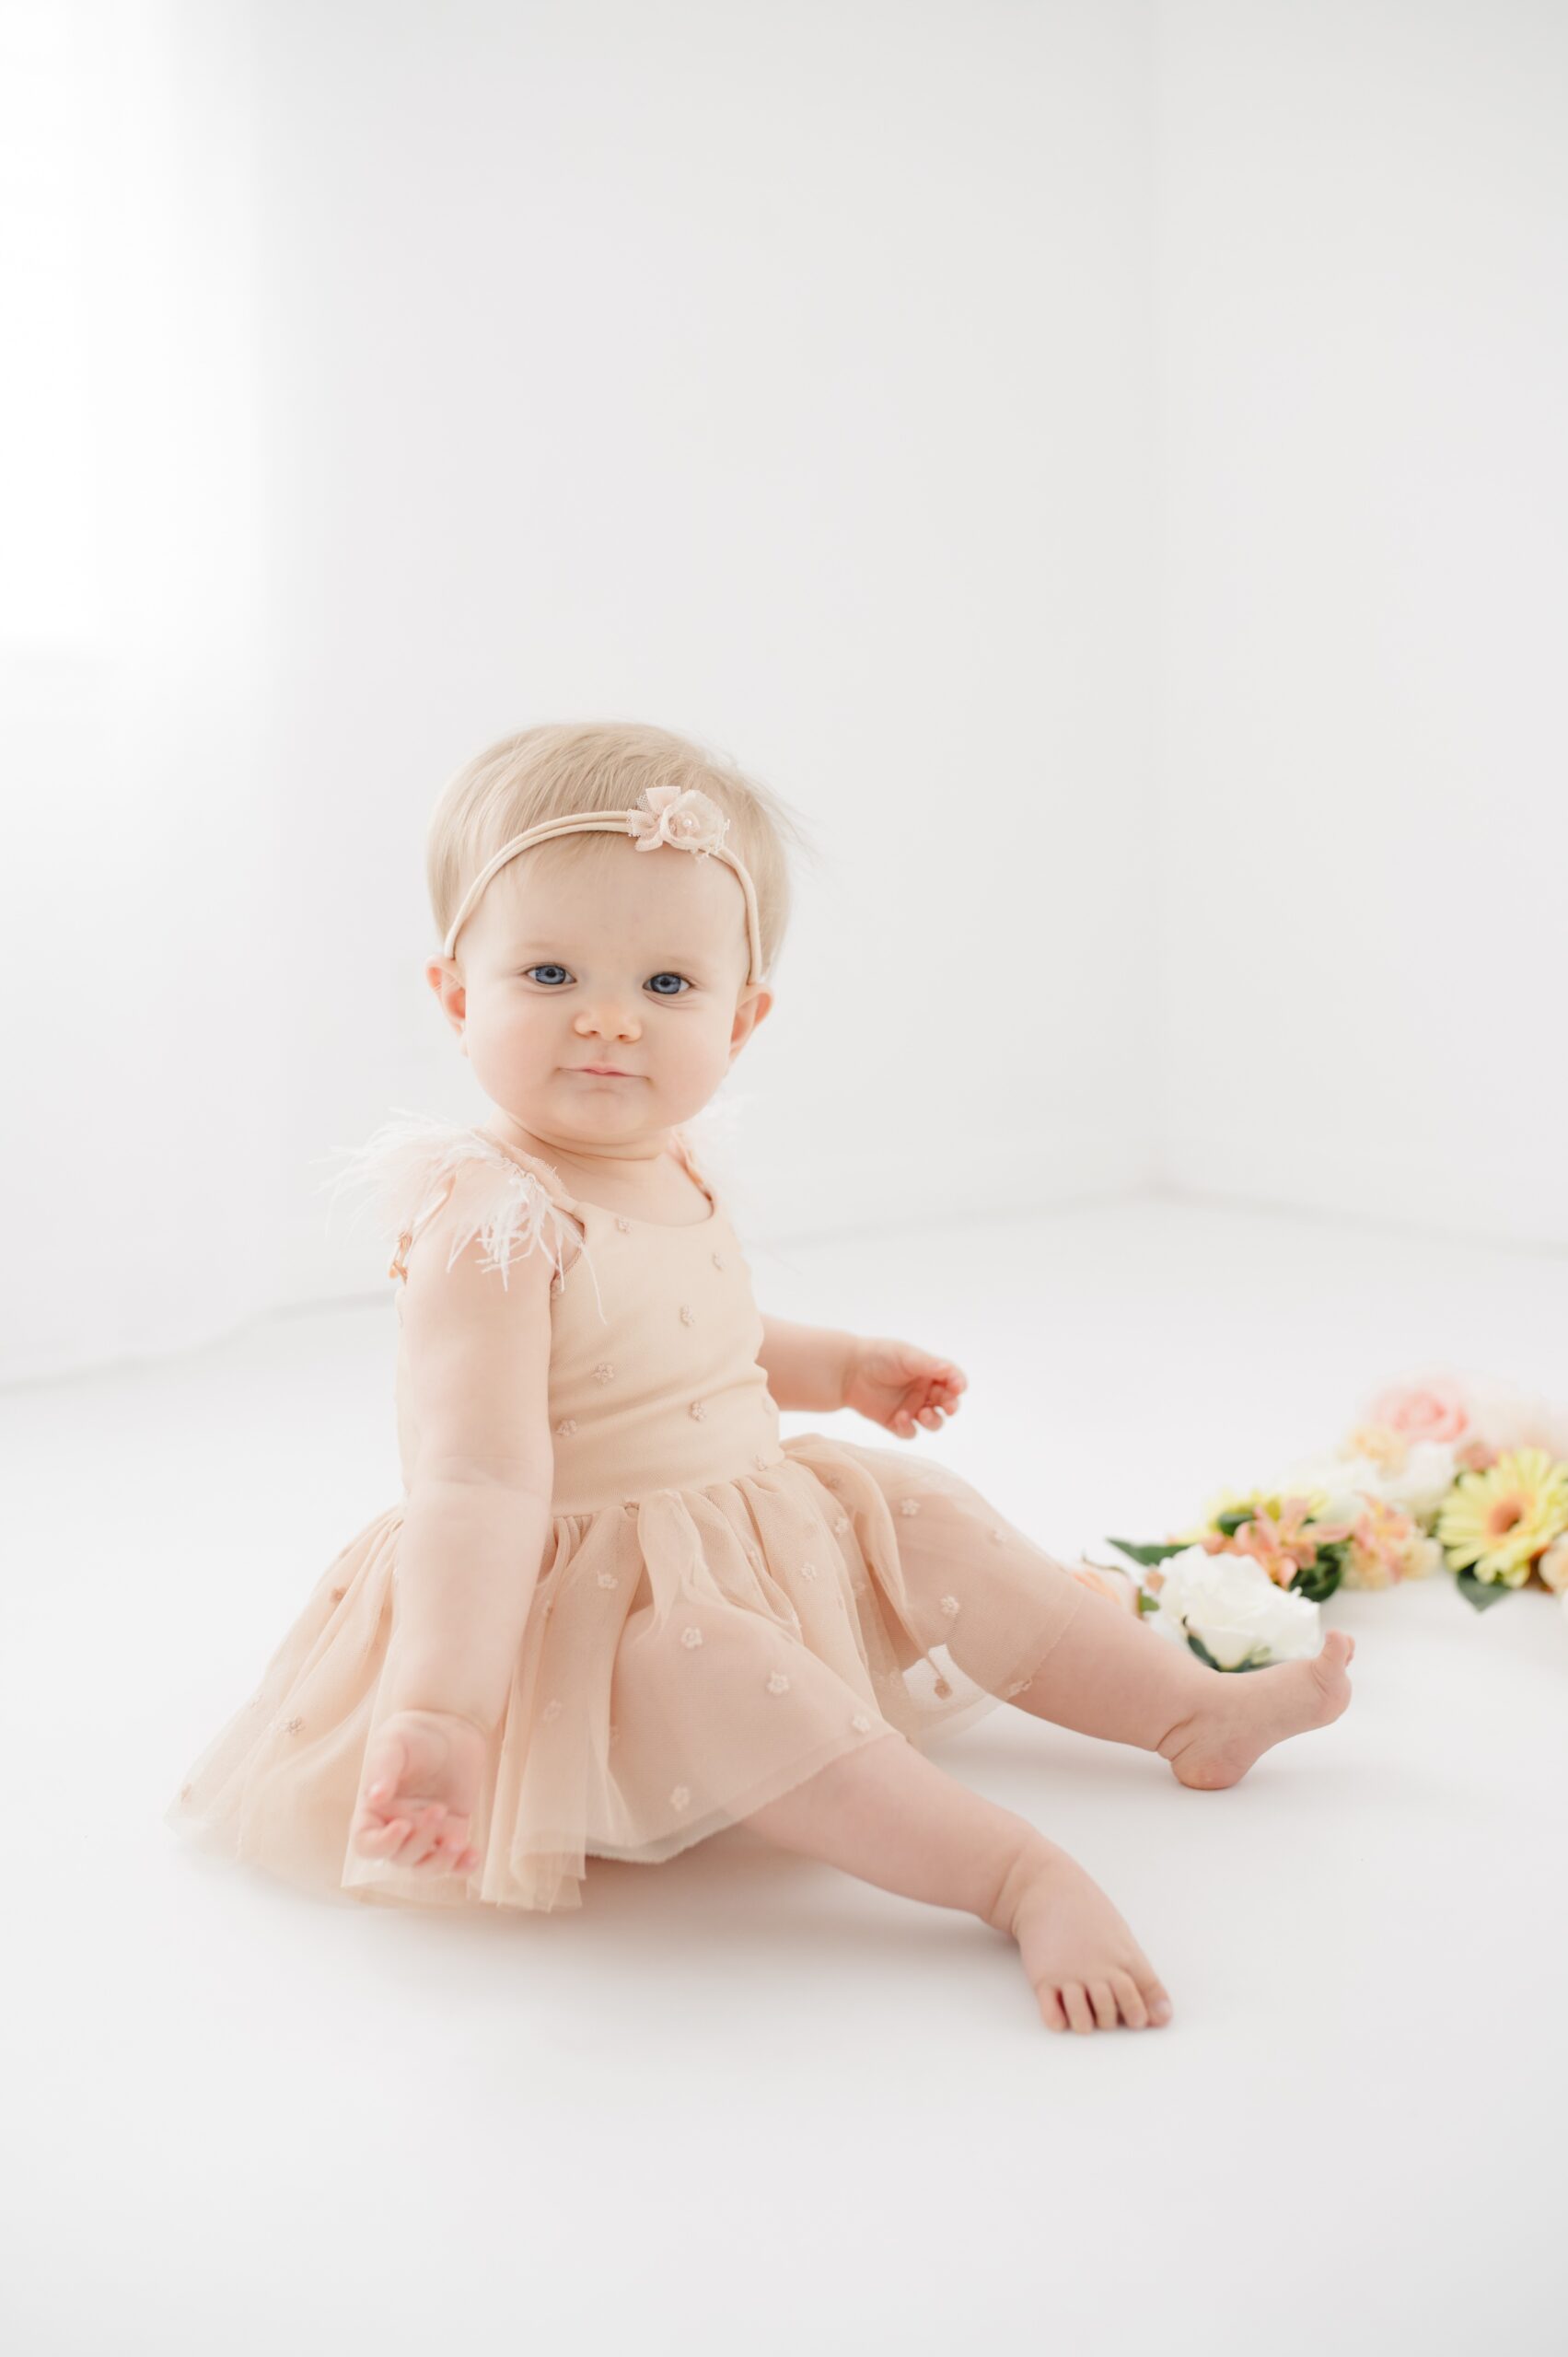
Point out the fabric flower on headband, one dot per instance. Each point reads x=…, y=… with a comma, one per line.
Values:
x=690, y=821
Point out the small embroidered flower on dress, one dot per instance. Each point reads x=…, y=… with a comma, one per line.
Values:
x=551, y=1712
x=609, y=1579
x=778, y=1683
x=950, y=1606
x=292, y=1727
x=809, y=1571
x=1021, y=1686
x=942, y=1689
x=682, y=1797
x=861, y=1724
x=603, y=1372
x=842, y=1523
x=692, y=1636
x=566, y=1427
x=623, y=1224
x=339, y=1594
x=996, y=1535
x=718, y=1260
x=698, y=1411
x=688, y=1315
x=909, y=1506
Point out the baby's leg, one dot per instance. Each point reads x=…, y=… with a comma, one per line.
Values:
x=970, y=1579
x=1106, y=1675
x=891, y=1815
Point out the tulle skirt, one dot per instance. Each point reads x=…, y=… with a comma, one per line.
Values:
x=686, y=1659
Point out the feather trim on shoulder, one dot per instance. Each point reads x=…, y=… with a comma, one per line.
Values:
x=402, y=1171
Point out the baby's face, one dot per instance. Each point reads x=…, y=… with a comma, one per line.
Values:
x=630, y=960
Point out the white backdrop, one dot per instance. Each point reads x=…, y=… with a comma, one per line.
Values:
x=1101, y=463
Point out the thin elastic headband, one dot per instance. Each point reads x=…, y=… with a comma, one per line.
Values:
x=685, y=821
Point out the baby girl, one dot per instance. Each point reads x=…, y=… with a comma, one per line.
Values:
x=614, y=1610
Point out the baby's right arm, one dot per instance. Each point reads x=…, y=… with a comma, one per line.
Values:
x=479, y=1504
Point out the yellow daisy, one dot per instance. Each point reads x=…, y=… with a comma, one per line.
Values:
x=1495, y=1522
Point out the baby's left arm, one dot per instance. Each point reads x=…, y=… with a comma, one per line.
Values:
x=895, y=1384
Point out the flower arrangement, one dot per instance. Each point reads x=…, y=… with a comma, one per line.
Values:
x=1469, y=1476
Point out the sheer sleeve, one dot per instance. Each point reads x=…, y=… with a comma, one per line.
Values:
x=406, y=1171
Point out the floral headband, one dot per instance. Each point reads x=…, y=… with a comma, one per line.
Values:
x=687, y=821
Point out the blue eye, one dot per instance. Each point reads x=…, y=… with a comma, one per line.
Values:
x=549, y=966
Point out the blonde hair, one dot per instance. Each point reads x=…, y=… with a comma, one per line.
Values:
x=561, y=768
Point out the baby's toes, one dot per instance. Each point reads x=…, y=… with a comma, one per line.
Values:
x=1154, y=1996
x=1050, y=2003
x=1129, y=1996
x=1104, y=2003
x=1080, y=2013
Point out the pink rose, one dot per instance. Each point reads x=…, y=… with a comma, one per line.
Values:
x=1430, y=1411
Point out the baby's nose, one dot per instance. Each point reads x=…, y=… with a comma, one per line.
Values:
x=609, y=1015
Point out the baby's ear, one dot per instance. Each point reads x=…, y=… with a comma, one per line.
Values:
x=750, y=1011
x=445, y=978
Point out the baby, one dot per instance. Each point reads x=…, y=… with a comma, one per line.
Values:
x=614, y=1610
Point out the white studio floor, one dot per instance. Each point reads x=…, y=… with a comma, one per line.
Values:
x=741, y=2101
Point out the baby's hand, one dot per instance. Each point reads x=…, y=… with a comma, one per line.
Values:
x=418, y=1791
x=898, y=1385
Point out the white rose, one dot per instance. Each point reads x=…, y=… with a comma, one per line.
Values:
x=1418, y=1488
x=1234, y=1609
x=1340, y=1484
x=1427, y=1478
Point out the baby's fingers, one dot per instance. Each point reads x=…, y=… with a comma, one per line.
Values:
x=378, y=1839
x=386, y=1764
x=429, y=1832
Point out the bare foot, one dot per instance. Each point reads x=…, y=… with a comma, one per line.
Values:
x=1216, y=1745
x=1084, y=1965
x=418, y=1789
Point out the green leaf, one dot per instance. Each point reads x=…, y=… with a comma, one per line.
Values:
x=1150, y=1554
x=1147, y=1603
x=1231, y=1521
x=1480, y=1593
x=1318, y=1579
x=1204, y=1655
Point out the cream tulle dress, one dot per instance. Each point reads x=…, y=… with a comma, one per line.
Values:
x=719, y=1611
